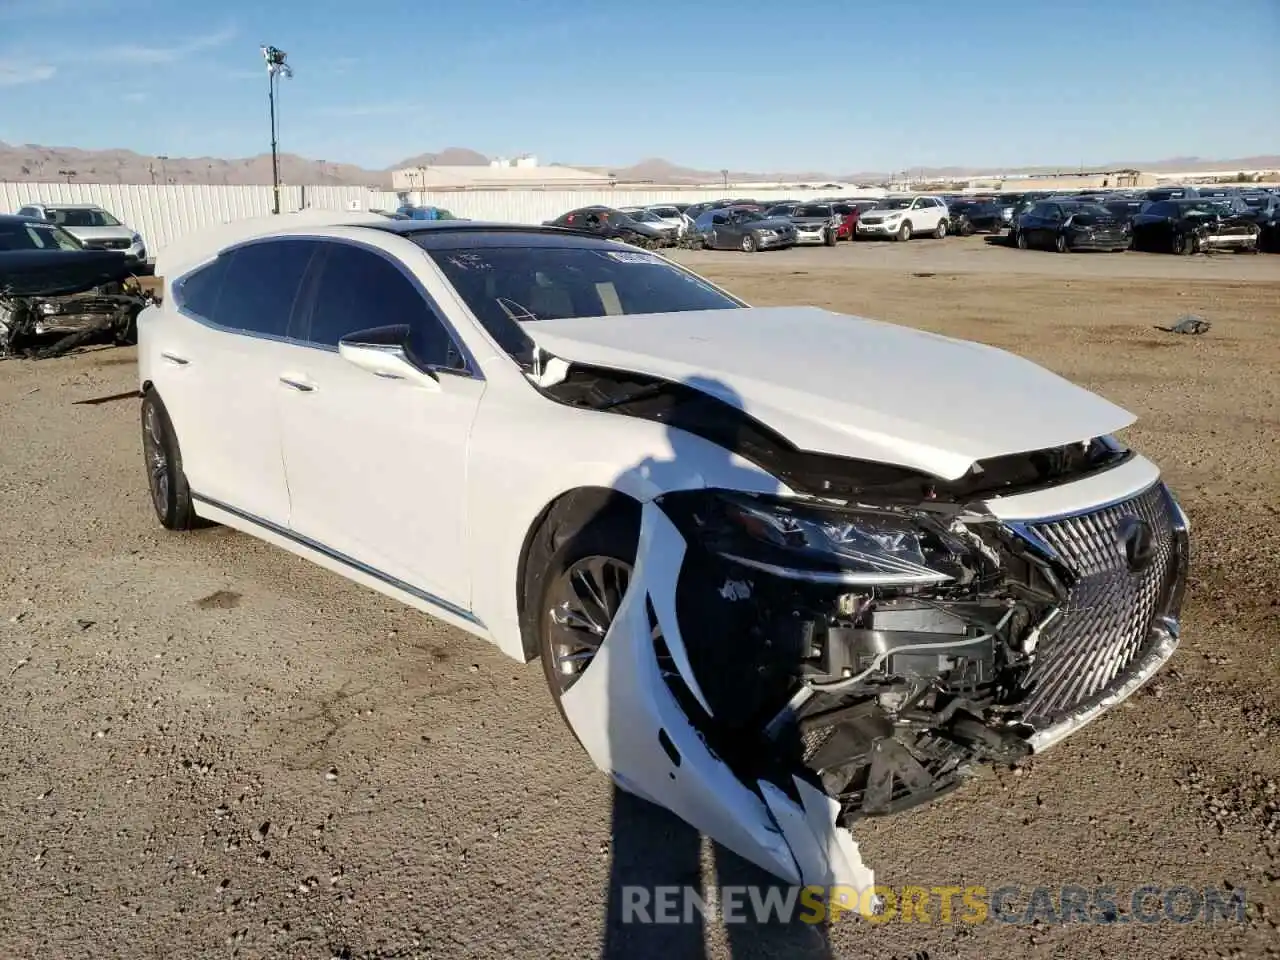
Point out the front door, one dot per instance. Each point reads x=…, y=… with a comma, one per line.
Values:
x=377, y=468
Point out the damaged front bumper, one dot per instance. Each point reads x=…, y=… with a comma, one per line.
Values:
x=771, y=706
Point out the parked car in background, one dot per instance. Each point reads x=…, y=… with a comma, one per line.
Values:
x=902, y=218
x=613, y=224
x=1264, y=210
x=976, y=216
x=1069, y=225
x=745, y=229
x=1193, y=226
x=646, y=217
x=671, y=215
x=95, y=227
x=850, y=210
x=816, y=224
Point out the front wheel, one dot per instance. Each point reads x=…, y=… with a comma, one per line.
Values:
x=904, y=232
x=585, y=581
x=1061, y=245
x=1185, y=244
x=170, y=495
x=1021, y=240
x=829, y=238
x=749, y=243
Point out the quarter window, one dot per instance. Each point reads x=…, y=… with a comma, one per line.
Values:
x=259, y=286
x=198, y=292
x=360, y=289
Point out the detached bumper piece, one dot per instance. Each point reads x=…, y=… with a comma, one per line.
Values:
x=772, y=695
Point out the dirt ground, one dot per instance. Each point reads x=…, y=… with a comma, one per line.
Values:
x=210, y=748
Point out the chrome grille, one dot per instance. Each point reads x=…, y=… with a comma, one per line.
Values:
x=1106, y=623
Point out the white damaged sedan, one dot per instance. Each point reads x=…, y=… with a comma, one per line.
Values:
x=783, y=568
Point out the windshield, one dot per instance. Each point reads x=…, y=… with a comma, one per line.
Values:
x=81, y=217
x=813, y=210
x=506, y=287
x=666, y=213
x=902, y=203
x=644, y=216
x=36, y=236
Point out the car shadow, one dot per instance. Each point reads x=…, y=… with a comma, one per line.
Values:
x=1000, y=239
x=652, y=848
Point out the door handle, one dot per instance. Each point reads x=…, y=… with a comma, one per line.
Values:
x=297, y=383
x=174, y=358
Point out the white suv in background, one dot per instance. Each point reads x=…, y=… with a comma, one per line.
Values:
x=94, y=227
x=904, y=217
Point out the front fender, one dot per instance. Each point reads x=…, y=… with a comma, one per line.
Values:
x=528, y=451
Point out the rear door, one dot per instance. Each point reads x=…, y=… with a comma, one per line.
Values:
x=219, y=379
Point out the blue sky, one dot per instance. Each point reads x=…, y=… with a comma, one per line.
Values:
x=833, y=85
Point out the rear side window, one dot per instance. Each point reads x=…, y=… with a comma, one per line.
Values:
x=360, y=289
x=260, y=284
x=198, y=292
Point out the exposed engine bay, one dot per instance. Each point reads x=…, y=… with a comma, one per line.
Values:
x=881, y=634
x=77, y=296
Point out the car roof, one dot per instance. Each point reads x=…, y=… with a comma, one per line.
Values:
x=446, y=234
x=15, y=218
x=53, y=205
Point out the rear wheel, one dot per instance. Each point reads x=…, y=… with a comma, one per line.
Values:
x=940, y=230
x=1061, y=244
x=1021, y=240
x=1185, y=244
x=170, y=495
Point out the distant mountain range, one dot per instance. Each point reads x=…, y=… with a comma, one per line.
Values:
x=29, y=162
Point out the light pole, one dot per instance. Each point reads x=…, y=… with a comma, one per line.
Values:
x=69, y=174
x=276, y=67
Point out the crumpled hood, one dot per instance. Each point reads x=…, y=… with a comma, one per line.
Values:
x=848, y=386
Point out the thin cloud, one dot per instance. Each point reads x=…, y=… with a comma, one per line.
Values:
x=14, y=73
x=156, y=54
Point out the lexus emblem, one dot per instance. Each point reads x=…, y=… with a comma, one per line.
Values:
x=1138, y=542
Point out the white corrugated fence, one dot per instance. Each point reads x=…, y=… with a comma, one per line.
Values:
x=163, y=213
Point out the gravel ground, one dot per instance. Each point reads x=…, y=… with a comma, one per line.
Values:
x=211, y=748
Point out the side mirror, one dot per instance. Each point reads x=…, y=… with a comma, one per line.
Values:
x=384, y=352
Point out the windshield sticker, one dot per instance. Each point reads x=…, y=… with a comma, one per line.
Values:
x=468, y=261
x=632, y=257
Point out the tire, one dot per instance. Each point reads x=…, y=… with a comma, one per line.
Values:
x=904, y=232
x=829, y=238
x=127, y=336
x=1020, y=239
x=940, y=230
x=170, y=494
x=607, y=541
x=1185, y=244
x=749, y=243
x=1060, y=244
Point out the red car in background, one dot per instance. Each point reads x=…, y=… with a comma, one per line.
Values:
x=850, y=210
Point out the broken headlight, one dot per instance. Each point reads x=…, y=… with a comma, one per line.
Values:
x=807, y=540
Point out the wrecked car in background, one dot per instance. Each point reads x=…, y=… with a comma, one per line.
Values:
x=50, y=284
x=1195, y=226
x=784, y=569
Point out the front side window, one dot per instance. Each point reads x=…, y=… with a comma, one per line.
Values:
x=260, y=286
x=360, y=289
x=506, y=287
